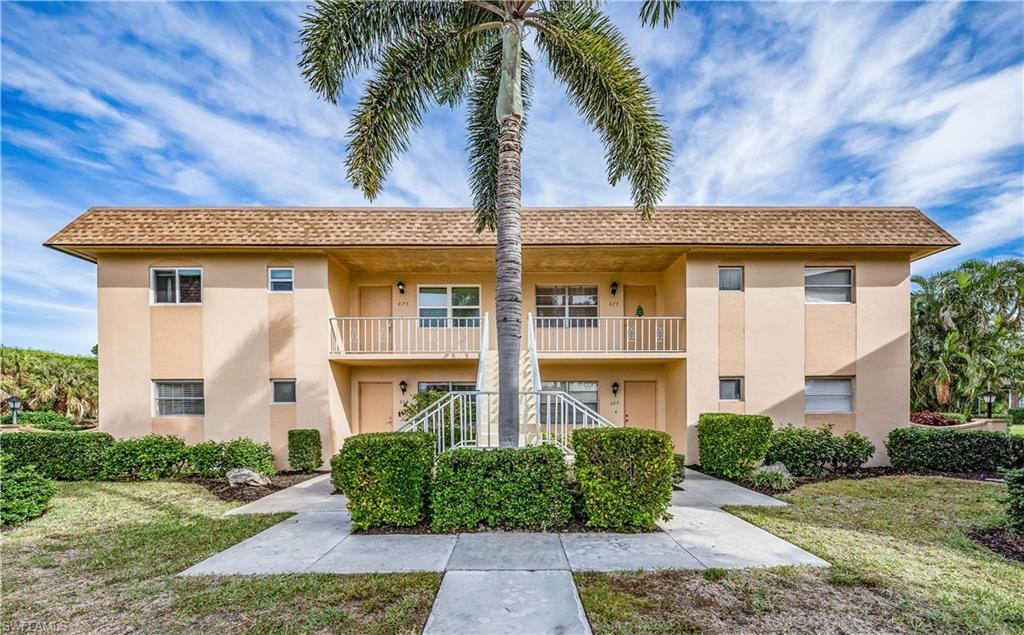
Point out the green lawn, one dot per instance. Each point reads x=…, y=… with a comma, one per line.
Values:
x=1017, y=429
x=104, y=557
x=901, y=563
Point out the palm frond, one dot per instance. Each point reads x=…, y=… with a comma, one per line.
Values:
x=415, y=71
x=340, y=38
x=589, y=55
x=482, y=129
x=654, y=11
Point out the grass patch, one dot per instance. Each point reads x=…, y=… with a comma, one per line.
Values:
x=104, y=559
x=1017, y=430
x=902, y=562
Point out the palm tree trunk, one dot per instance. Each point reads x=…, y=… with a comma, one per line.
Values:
x=508, y=257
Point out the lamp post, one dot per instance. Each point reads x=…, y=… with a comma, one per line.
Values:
x=14, y=403
x=989, y=398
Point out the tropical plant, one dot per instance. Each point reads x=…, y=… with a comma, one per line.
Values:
x=67, y=384
x=968, y=334
x=445, y=53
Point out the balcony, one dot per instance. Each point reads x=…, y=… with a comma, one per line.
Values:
x=375, y=337
x=630, y=336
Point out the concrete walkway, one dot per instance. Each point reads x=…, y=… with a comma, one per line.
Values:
x=531, y=571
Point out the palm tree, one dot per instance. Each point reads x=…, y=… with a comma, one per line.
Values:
x=448, y=52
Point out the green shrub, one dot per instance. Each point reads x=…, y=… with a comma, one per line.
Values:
x=730, y=445
x=24, y=492
x=770, y=479
x=952, y=450
x=304, y=449
x=624, y=476
x=958, y=417
x=852, y=450
x=678, y=468
x=813, y=452
x=206, y=460
x=64, y=456
x=513, y=487
x=1015, y=499
x=145, y=458
x=1016, y=416
x=246, y=453
x=43, y=419
x=386, y=477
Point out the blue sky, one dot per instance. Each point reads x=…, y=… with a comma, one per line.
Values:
x=201, y=104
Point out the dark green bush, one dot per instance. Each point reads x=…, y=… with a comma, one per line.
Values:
x=65, y=456
x=24, y=492
x=386, y=477
x=514, y=487
x=246, y=453
x=679, y=468
x=145, y=458
x=206, y=460
x=813, y=452
x=1016, y=416
x=852, y=450
x=624, y=476
x=952, y=450
x=304, y=449
x=43, y=419
x=958, y=417
x=730, y=445
x=1015, y=499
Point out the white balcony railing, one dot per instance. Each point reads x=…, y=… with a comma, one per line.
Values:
x=405, y=335
x=610, y=335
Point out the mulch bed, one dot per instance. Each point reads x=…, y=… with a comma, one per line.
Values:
x=246, y=494
x=1002, y=541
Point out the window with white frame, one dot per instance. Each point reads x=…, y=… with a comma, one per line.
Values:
x=283, y=390
x=828, y=394
x=281, y=279
x=179, y=398
x=449, y=306
x=730, y=389
x=828, y=284
x=177, y=285
x=730, y=278
x=583, y=391
x=445, y=386
x=566, y=305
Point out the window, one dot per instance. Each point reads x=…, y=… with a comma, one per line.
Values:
x=179, y=398
x=449, y=306
x=445, y=386
x=730, y=389
x=584, y=391
x=284, y=390
x=828, y=284
x=829, y=394
x=177, y=286
x=730, y=278
x=567, y=305
x=281, y=279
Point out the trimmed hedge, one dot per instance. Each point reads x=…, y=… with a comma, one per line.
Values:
x=386, y=477
x=730, y=445
x=512, y=487
x=624, y=476
x=679, y=468
x=304, y=449
x=43, y=419
x=145, y=458
x=213, y=459
x=953, y=450
x=813, y=452
x=1016, y=416
x=1015, y=499
x=64, y=456
x=24, y=492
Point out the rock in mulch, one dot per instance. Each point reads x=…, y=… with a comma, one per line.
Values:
x=774, y=467
x=246, y=477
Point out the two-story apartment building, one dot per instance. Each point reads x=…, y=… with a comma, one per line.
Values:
x=220, y=323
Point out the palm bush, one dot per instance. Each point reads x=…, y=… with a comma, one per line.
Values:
x=67, y=384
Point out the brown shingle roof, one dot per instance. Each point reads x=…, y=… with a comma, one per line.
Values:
x=339, y=227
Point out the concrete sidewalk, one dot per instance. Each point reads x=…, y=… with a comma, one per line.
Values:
x=315, y=495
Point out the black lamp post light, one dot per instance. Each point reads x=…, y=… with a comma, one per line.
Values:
x=989, y=398
x=14, y=403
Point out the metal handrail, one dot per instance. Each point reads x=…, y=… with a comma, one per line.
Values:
x=485, y=337
x=609, y=334
x=531, y=347
x=406, y=334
